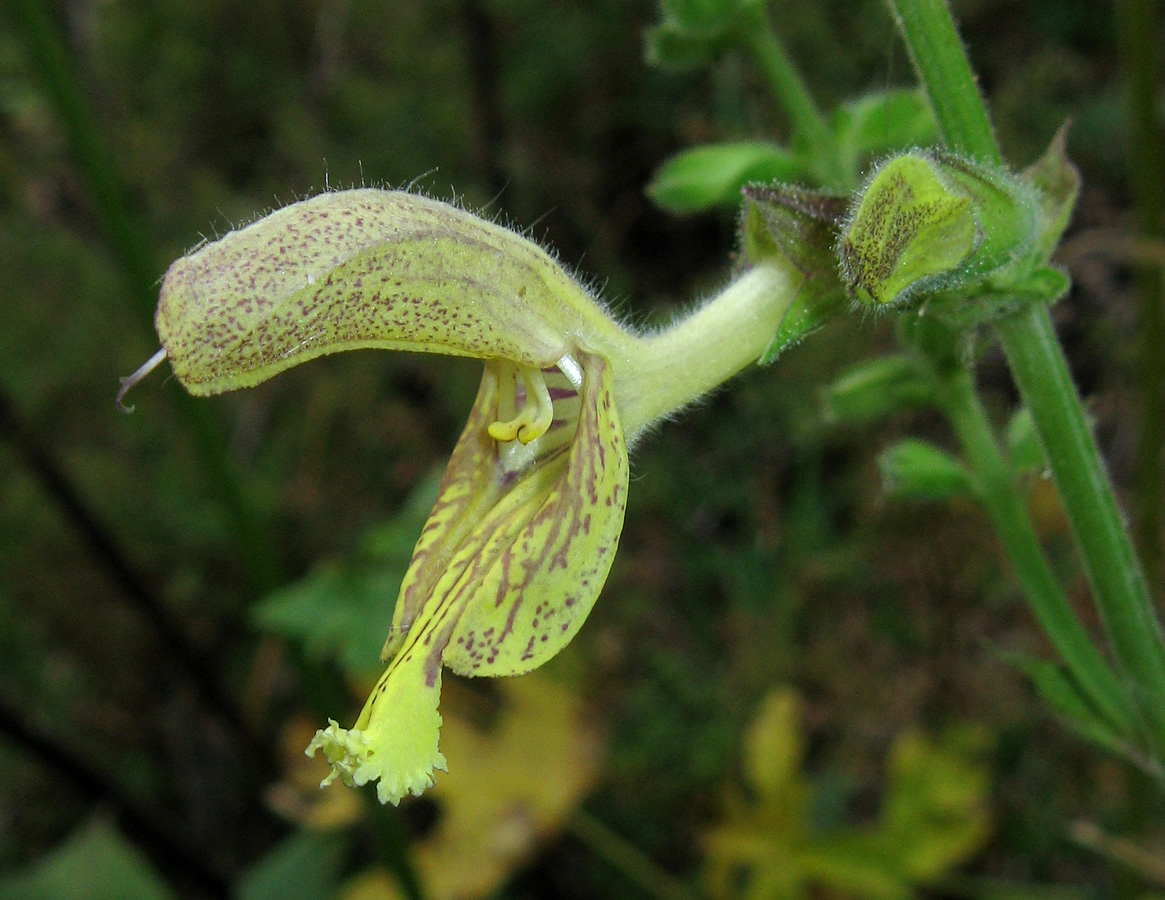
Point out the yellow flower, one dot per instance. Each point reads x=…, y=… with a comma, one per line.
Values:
x=528, y=516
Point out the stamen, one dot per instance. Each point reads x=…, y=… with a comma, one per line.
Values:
x=536, y=415
x=142, y=371
x=543, y=411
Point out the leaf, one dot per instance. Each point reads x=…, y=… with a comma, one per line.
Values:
x=713, y=175
x=935, y=813
x=305, y=866
x=772, y=747
x=1060, y=692
x=94, y=863
x=877, y=388
x=694, y=32
x=341, y=610
x=881, y=123
x=920, y=470
x=934, y=817
x=856, y=863
x=1023, y=443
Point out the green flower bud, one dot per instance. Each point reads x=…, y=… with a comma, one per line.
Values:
x=910, y=230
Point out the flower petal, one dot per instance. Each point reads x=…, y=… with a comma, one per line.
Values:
x=364, y=268
x=395, y=737
x=504, y=574
x=466, y=491
x=528, y=574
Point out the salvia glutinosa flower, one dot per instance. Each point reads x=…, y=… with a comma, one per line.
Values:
x=529, y=513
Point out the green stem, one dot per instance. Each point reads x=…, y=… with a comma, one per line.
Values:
x=1038, y=365
x=942, y=66
x=1009, y=515
x=1041, y=372
x=809, y=128
x=130, y=246
x=662, y=372
x=627, y=858
x=1137, y=20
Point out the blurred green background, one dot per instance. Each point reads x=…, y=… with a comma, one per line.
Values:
x=138, y=686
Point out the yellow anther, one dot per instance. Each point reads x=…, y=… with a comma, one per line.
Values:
x=535, y=416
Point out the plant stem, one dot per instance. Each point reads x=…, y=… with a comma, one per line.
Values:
x=787, y=85
x=659, y=373
x=1041, y=372
x=627, y=858
x=942, y=66
x=1009, y=515
x=130, y=246
x=1137, y=20
x=1122, y=598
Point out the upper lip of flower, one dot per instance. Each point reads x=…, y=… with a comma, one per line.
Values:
x=367, y=269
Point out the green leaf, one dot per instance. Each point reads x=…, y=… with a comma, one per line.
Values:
x=306, y=866
x=1060, y=692
x=917, y=469
x=708, y=15
x=773, y=748
x=670, y=46
x=95, y=863
x=693, y=33
x=935, y=814
x=881, y=123
x=342, y=609
x=714, y=174
x=876, y=389
x=855, y=863
x=980, y=888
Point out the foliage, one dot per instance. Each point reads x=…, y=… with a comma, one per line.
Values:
x=886, y=615
x=934, y=817
x=96, y=863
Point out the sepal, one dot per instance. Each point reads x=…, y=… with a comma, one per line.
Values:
x=796, y=229
x=971, y=242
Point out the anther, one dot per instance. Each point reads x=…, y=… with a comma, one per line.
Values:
x=536, y=415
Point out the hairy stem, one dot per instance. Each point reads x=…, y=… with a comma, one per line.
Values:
x=1041, y=372
x=941, y=62
x=1009, y=515
x=1138, y=20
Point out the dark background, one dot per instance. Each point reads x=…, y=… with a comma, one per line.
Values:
x=759, y=548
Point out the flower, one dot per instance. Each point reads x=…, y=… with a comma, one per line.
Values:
x=529, y=513
x=528, y=516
